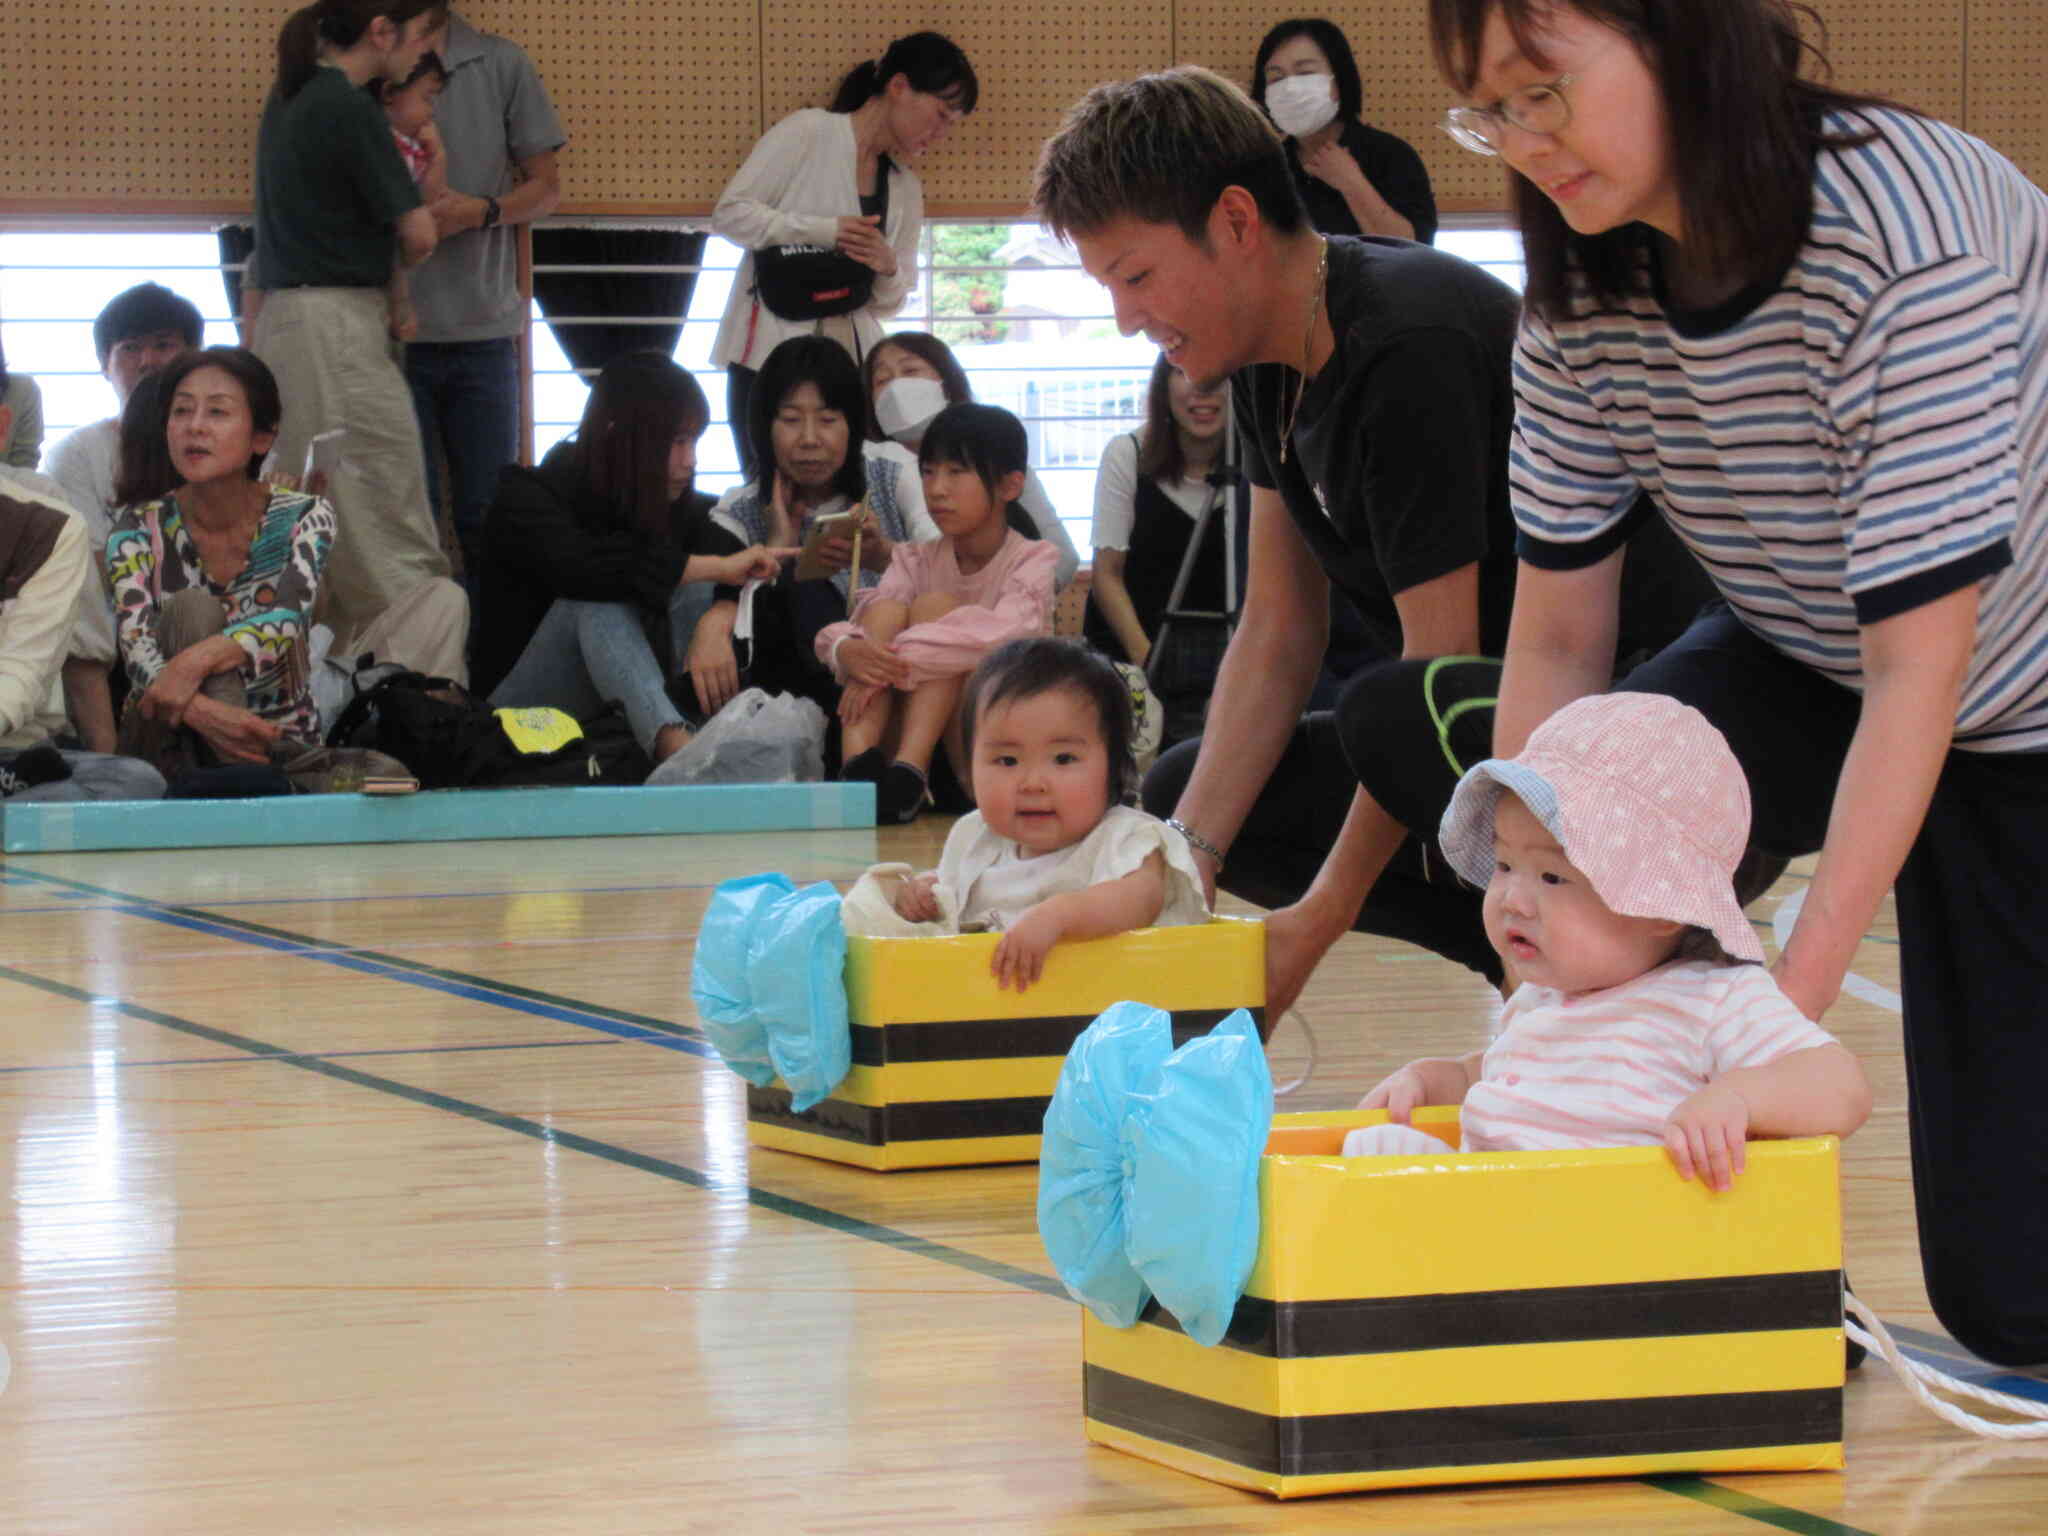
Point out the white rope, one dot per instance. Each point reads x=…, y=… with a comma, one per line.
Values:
x=1919, y=1378
x=1308, y=1071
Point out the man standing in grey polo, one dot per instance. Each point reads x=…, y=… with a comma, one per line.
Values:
x=502, y=138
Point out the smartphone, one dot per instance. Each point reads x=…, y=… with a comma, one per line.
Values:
x=810, y=565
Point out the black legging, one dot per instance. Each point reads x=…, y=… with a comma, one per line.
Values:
x=1406, y=731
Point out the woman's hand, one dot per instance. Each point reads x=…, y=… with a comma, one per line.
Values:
x=757, y=562
x=863, y=661
x=856, y=699
x=863, y=240
x=236, y=734
x=170, y=696
x=712, y=665
x=1333, y=165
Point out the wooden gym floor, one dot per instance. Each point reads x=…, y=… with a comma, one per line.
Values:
x=390, y=1189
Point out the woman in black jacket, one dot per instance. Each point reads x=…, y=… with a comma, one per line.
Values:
x=585, y=554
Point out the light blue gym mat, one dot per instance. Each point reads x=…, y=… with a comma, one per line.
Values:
x=434, y=816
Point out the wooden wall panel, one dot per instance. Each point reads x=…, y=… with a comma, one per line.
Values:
x=2008, y=80
x=149, y=106
x=1032, y=61
x=661, y=98
x=1909, y=50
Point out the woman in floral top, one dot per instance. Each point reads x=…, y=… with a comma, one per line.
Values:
x=214, y=584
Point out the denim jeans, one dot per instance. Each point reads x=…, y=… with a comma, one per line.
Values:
x=587, y=655
x=466, y=393
x=94, y=776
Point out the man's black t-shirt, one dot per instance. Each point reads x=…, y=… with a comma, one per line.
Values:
x=1397, y=473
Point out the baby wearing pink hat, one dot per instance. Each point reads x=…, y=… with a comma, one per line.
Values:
x=1608, y=852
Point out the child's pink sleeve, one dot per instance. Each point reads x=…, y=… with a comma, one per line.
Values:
x=906, y=577
x=946, y=647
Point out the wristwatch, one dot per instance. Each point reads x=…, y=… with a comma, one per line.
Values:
x=491, y=213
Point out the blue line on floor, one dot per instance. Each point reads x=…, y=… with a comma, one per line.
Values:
x=468, y=991
x=801, y=1210
x=610, y=1021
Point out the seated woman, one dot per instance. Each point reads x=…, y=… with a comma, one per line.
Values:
x=909, y=378
x=942, y=607
x=808, y=421
x=214, y=581
x=585, y=556
x=1153, y=489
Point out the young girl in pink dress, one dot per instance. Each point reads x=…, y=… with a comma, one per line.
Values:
x=940, y=607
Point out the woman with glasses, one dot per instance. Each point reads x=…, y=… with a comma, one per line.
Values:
x=828, y=211
x=1811, y=330
x=1354, y=179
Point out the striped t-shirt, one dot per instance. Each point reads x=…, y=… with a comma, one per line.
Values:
x=1606, y=1069
x=1868, y=437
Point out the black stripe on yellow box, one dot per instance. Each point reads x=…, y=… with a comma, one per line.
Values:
x=901, y=1122
x=993, y=1039
x=1486, y=1434
x=1380, y=1325
x=949, y=1069
x=1781, y=1458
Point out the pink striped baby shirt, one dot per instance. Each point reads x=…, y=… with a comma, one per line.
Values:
x=1607, y=1068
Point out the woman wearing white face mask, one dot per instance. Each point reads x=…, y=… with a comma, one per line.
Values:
x=911, y=376
x=1355, y=180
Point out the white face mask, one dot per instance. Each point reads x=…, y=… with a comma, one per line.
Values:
x=906, y=406
x=1300, y=104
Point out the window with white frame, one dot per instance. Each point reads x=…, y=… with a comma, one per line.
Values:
x=1032, y=330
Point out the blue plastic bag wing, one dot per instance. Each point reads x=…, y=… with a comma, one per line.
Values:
x=796, y=967
x=719, y=982
x=1193, y=1146
x=1081, y=1181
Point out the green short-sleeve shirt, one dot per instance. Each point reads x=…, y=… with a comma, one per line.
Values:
x=330, y=187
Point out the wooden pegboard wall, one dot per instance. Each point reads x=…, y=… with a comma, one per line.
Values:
x=122, y=104
x=2005, y=84
x=1032, y=62
x=661, y=99
x=150, y=106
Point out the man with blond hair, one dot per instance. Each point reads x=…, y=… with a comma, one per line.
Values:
x=1372, y=398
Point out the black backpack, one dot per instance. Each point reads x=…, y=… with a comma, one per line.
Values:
x=451, y=741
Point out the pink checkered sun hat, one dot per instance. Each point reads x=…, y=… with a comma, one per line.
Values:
x=1644, y=797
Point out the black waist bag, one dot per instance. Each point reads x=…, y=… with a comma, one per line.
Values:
x=451, y=741
x=811, y=282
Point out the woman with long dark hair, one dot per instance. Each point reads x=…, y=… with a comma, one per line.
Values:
x=1154, y=487
x=335, y=210
x=1810, y=330
x=1354, y=179
x=828, y=210
x=586, y=555
x=909, y=377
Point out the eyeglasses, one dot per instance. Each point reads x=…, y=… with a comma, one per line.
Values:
x=1533, y=109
